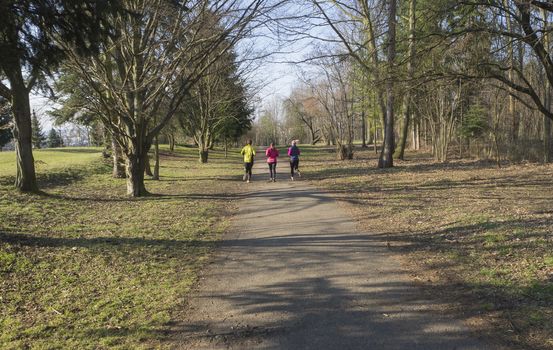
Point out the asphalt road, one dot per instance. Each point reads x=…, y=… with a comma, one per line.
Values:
x=295, y=273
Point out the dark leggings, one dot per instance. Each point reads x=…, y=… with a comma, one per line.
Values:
x=272, y=170
x=248, y=167
x=294, y=164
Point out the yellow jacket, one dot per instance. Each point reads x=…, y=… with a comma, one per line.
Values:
x=248, y=152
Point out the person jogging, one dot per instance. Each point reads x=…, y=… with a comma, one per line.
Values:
x=249, y=153
x=272, y=154
x=294, y=154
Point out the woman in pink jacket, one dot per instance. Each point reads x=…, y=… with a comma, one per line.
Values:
x=272, y=154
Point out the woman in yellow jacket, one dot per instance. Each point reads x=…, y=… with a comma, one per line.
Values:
x=249, y=154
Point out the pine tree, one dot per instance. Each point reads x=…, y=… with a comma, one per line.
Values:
x=54, y=139
x=5, y=119
x=37, y=135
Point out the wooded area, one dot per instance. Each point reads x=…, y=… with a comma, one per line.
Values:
x=461, y=78
x=464, y=79
x=429, y=120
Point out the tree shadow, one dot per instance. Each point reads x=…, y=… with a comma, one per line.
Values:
x=61, y=177
x=328, y=312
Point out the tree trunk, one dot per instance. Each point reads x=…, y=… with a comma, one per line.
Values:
x=547, y=140
x=512, y=104
x=136, y=165
x=375, y=138
x=344, y=152
x=400, y=152
x=370, y=133
x=156, y=156
x=314, y=138
x=204, y=155
x=25, y=179
x=411, y=72
x=171, y=142
x=118, y=162
x=386, y=157
x=364, y=129
x=107, y=142
x=148, y=166
x=547, y=102
x=416, y=135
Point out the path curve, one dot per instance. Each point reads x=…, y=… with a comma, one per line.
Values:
x=295, y=273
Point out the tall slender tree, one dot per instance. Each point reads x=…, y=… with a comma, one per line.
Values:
x=407, y=97
x=386, y=156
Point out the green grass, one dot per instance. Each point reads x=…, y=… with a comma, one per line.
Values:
x=47, y=160
x=485, y=232
x=83, y=266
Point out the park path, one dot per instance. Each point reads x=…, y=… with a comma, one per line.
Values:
x=295, y=273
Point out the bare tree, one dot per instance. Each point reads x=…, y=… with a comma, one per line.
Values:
x=439, y=105
x=334, y=92
x=512, y=23
x=301, y=105
x=156, y=56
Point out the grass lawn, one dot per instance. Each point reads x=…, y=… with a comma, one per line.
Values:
x=476, y=235
x=83, y=266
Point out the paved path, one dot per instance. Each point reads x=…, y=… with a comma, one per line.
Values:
x=296, y=274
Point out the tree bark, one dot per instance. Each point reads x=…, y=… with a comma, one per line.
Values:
x=25, y=179
x=156, y=156
x=148, y=166
x=204, y=155
x=364, y=129
x=203, y=149
x=411, y=74
x=386, y=156
x=136, y=164
x=400, y=151
x=171, y=142
x=107, y=143
x=344, y=152
x=547, y=101
x=118, y=162
x=512, y=103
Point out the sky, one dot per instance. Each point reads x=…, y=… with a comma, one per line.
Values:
x=272, y=80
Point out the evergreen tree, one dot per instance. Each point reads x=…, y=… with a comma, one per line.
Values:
x=54, y=139
x=30, y=32
x=5, y=120
x=475, y=123
x=37, y=135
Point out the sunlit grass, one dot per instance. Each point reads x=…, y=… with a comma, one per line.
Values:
x=486, y=232
x=85, y=267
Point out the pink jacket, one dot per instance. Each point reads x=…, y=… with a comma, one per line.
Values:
x=272, y=155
